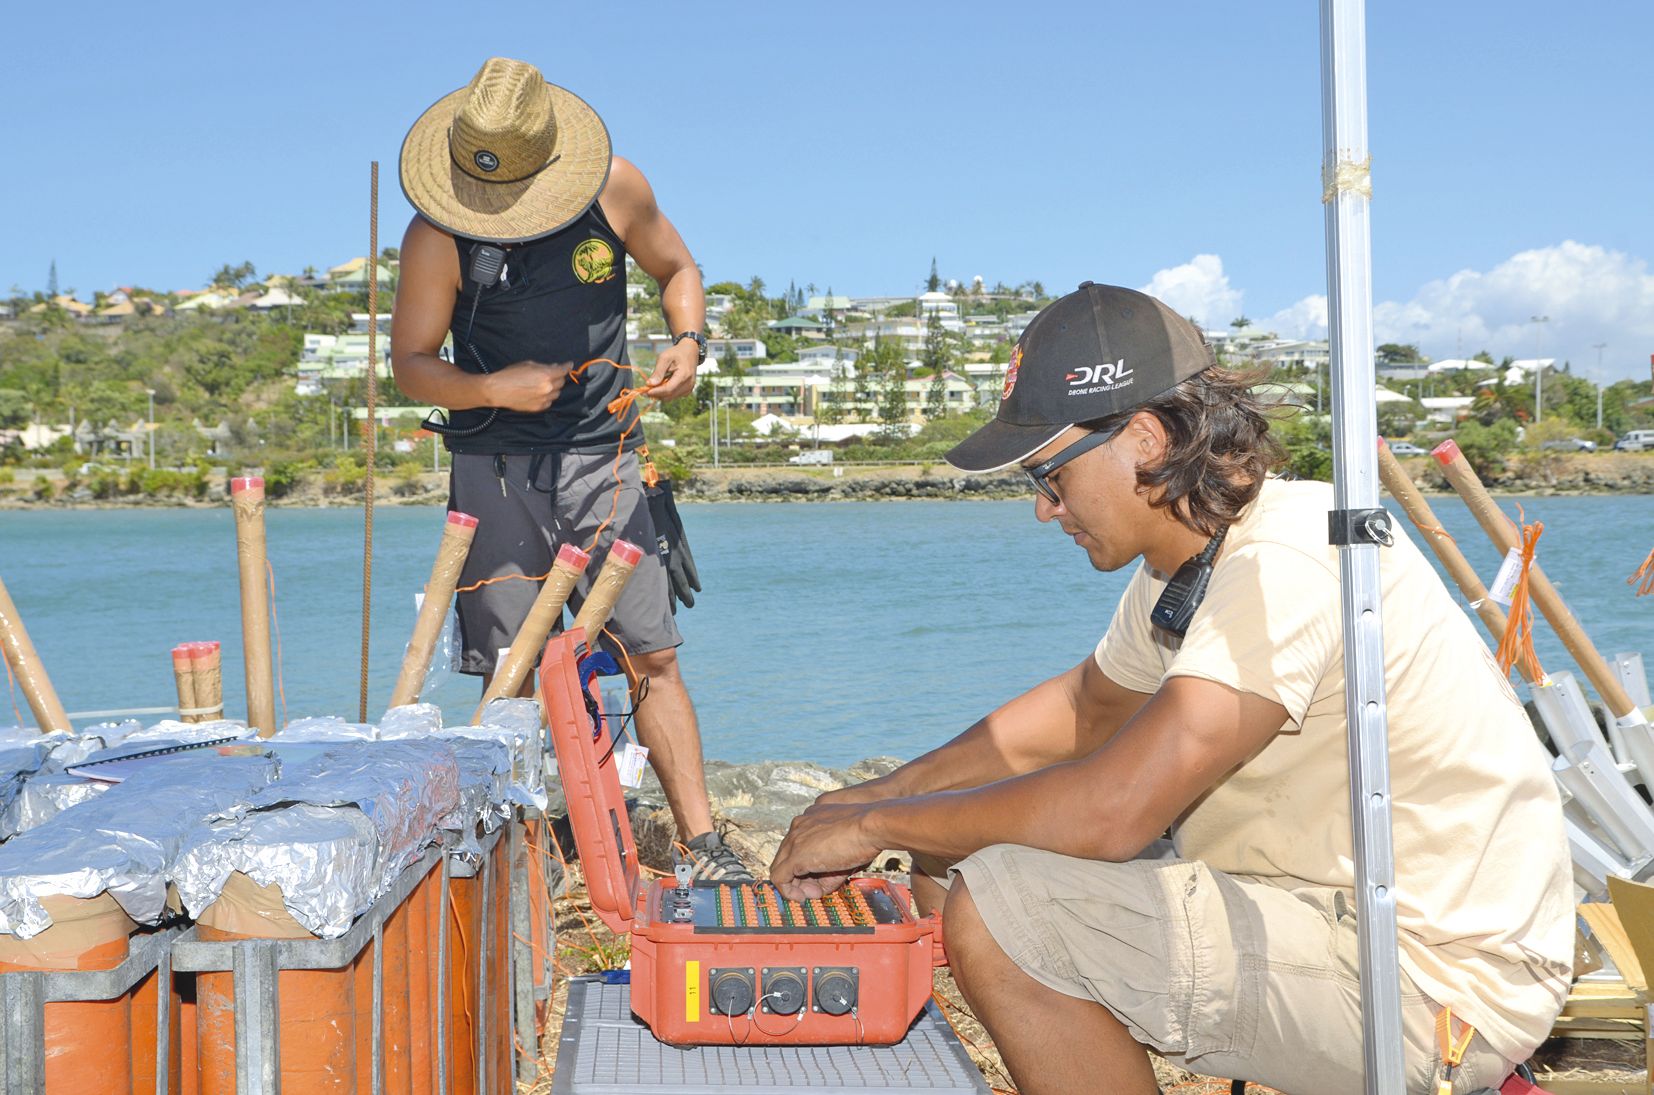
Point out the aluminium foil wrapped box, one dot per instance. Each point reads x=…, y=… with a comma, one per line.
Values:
x=124, y=841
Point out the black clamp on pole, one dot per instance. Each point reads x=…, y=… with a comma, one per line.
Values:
x=1359, y=526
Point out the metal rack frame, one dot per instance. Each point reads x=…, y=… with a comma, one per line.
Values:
x=24, y=995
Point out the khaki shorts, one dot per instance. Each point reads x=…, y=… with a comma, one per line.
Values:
x=1222, y=975
x=524, y=516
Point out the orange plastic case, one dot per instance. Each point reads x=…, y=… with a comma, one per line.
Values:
x=715, y=964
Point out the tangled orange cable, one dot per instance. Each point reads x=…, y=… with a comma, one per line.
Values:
x=1516, y=644
x=617, y=406
x=1645, y=575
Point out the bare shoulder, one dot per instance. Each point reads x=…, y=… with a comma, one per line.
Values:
x=627, y=198
x=428, y=253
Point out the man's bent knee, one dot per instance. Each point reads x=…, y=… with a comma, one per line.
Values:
x=657, y=663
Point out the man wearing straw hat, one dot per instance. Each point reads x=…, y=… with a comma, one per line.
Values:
x=1213, y=709
x=517, y=251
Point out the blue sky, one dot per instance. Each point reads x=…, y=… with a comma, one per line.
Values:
x=1173, y=146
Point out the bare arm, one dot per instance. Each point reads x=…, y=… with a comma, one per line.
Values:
x=1069, y=716
x=419, y=324
x=629, y=204
x=1108, y=805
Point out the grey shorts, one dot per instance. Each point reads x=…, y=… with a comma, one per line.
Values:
x=1223, y=975
x=542, y=503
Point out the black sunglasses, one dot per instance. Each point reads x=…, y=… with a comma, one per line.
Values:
x=1039, y=474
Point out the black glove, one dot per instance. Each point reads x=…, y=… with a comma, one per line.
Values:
x=683, y=579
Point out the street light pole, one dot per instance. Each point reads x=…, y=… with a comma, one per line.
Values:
x=1600, y=346
x=150, y=433
x=1538, y=370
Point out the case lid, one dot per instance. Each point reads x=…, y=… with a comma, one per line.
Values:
x=591, y=786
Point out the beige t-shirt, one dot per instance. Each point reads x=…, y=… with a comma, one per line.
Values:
x=1484, y=887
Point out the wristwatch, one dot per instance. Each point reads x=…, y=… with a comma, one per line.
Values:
x=700, y=343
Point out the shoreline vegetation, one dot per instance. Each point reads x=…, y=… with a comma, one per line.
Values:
x=111, y=487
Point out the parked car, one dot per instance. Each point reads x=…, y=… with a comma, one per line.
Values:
x=1636, y=441
x=1572, y=444
x=1405, y=448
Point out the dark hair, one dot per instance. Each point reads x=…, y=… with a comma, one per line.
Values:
x=1219, y=449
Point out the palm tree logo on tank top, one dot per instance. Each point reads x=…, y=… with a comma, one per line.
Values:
x=594, y=261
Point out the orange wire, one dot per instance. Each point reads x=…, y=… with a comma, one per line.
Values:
x=1645, y=575
x=459, y=926
x=947, y=1017
x=1516, y=645
x=617, y=407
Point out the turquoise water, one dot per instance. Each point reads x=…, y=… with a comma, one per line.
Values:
x=827, y=632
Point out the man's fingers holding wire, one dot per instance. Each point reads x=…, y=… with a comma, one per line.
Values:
x=527, y=386
x=674, y=372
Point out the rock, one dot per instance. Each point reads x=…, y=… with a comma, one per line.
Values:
x=753, y=805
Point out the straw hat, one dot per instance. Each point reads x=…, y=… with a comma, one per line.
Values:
x=508, y=158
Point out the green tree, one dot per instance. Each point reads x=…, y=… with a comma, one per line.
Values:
x=16, y=409
x=234, y=277
x=827, y=315
x=51, y=280
x=936, y=356
x=1486, y=447
x=1307, y=439
x=1392, y=352
x=889, y=366
x=1240, y=323
x=934, y=282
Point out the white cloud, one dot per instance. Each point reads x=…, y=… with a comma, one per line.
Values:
x=1305, y=319
x=1590, y=293
x=1198, y=288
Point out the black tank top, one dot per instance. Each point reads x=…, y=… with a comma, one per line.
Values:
x=562, y=299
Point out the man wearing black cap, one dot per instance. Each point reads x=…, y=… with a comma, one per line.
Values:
x=1212, y=712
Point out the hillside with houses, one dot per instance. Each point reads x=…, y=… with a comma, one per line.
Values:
x=141, y=391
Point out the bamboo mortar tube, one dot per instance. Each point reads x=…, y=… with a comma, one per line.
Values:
x=1504, y=535
x=20, y=654
x=209, y=681
x=247, y=498
x=183, y=672
x=457, y=534
x=600, y=601
x=543, y=615
x=1464, y=575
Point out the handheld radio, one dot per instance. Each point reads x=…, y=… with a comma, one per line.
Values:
x=487, y=264
x=1187, y=588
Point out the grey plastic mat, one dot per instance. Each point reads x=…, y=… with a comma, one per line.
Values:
x=604, y=1050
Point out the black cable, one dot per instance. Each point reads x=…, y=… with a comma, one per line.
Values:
x=625, y=719
x=443, y=428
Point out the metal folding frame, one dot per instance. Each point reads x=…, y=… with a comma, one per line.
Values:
x=25, y=994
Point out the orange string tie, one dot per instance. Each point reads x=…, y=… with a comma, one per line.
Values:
x=618, y=407
x=1516, y=644
x=1645, y=575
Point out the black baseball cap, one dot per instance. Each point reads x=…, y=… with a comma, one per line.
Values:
x=1100, y=350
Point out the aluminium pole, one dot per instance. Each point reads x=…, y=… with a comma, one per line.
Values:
x=1360, y=527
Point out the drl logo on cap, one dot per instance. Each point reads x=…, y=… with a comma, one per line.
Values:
x=1011, y=374
x=1086, y=379
x=486, y=160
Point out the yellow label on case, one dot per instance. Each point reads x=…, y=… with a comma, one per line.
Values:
x=692, y=992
